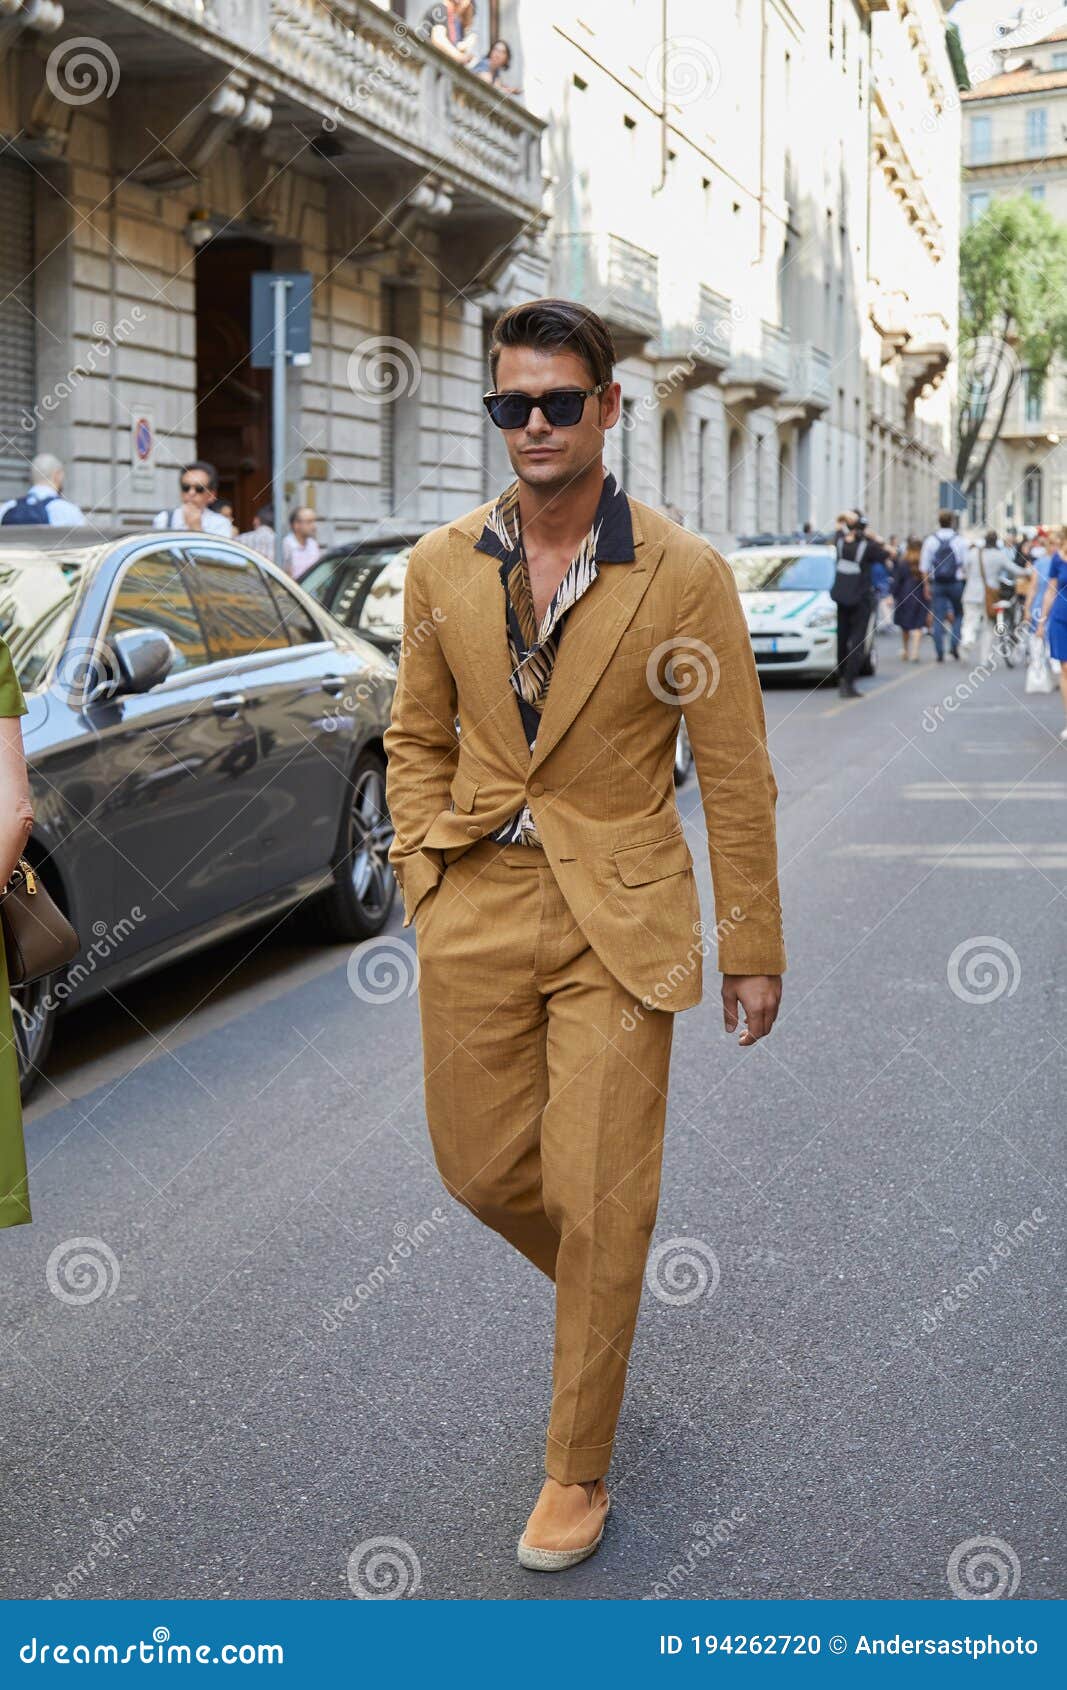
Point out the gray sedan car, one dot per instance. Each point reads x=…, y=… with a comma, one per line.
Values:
x=205, y=746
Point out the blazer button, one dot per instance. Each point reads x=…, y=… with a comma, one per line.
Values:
x=474, y=832
x=536, y=789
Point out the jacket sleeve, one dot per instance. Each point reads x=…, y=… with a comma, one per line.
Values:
x=421, y=742
x=715, y=672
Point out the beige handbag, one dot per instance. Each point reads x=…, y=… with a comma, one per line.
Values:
x=38, y=938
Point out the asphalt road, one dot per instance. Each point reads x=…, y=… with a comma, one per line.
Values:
x=817, y=1411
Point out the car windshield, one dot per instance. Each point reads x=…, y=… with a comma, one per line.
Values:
x=38, y=592
x=783, y=572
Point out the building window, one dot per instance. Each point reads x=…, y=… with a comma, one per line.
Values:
x=1032, y=396
x=977, y=204
x=830, y=28
x=976, y=504
x=627, y=429
x=703, y=448
x=1036, y=131
x=1036, y=190
x=1059, y=61
x=735, y=478
x=1032, y=479
x=981, y=148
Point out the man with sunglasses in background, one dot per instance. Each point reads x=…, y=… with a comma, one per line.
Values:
x=199, y=489
x=553, y=639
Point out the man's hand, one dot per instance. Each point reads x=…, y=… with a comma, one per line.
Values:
x=191, y=514
x=759, y=996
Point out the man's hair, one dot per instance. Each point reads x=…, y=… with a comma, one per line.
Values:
x=991, y=537
x=296, y=512
x=207, y=470
x=44, y=466
x=264, y=515
x=947, y=519
x=556, y=325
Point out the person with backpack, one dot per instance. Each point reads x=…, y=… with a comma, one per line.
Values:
x=853, y=593
x=44, y=502
x=944, y=563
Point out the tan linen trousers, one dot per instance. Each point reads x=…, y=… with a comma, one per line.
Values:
x=545, y=1096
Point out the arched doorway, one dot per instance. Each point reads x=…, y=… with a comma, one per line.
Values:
x=786, y=492
x=735, y=481
x=1032, y=495
x=232, y=399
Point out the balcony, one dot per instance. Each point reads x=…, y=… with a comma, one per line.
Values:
x=695, y=349
x=613, y=277
x=1015, y=149
x=342, y=84
x=808, y=393
x=926, y=356
x=758, y=373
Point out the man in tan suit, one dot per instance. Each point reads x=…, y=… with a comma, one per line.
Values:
x=552, y=641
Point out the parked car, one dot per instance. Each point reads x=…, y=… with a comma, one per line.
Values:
x=362, y=585
x=785, y=592
x=205, y=749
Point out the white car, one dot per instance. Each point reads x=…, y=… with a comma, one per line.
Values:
x=785, y=592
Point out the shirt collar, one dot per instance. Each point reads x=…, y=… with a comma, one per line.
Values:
x=611, y=533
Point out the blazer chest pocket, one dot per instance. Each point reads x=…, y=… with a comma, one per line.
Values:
x=464, y=791
x=655, y=860
x=635, y=647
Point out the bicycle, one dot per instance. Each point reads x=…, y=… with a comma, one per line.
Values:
x=1011, y=630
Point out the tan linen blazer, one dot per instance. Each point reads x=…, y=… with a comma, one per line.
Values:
x=649, y=640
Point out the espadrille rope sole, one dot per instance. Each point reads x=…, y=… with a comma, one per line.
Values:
x=557, y=1560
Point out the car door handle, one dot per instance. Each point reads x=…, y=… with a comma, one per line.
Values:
x=333, y=683
x=228, y=703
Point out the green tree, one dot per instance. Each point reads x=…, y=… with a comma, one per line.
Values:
x=1013, y=317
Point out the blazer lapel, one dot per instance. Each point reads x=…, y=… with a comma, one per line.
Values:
x=479, y=601
x=591, y=632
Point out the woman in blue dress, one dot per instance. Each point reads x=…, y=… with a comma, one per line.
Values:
x=909, y=594
x=1053, y=616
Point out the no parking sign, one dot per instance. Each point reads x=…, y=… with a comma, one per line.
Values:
x=142, y=446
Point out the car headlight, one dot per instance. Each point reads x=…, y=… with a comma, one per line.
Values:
x=823, y=619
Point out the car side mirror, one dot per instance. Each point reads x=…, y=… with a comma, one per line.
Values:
x=144, y=656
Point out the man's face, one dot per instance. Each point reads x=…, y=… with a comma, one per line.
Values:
x=304, y=524
x=197, y=489
x=543, y=456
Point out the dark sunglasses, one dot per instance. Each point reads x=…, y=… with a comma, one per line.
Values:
x=194, y=487
x=561, y=408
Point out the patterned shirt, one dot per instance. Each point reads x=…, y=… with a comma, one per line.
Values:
x=533, y=648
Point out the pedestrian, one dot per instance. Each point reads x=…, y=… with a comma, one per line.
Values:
x=882, y=589
x=225, y=510
x=44, y=503
x=1052, y=614
x=300, y=548
x=541, y=856
x=16, y=819
x=853, y=594
x=491, y=68
x=449, y=26
x=260, y=537
x=199, y=488
x=982, y=572
x=1040, y=564
x=943, y=560
x=911, y=604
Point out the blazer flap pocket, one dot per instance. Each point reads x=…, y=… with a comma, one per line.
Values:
x=464, y=791
x=655, y=860
x=636, y=643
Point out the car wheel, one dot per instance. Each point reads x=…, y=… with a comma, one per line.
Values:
x=357, y=905
x=683, y=757
x=33, y=1018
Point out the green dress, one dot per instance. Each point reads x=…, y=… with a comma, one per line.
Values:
x=14, y=1191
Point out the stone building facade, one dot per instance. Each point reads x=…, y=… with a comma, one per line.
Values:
x=764, y=211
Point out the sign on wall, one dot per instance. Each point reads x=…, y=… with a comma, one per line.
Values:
x=142, y=447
